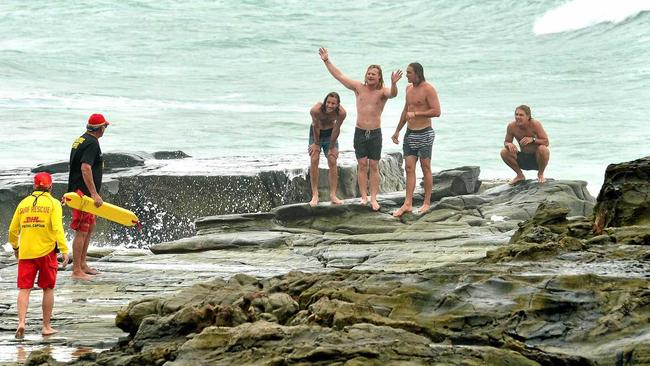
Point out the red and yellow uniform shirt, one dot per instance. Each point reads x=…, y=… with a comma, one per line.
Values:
x=37, y=227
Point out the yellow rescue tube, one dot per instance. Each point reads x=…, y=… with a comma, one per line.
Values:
x=108, y=211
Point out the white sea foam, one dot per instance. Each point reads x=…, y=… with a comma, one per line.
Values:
x=497, y=218
x=578, y=14
x=84, y=102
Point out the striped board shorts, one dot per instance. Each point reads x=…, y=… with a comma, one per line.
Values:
x=419, y=142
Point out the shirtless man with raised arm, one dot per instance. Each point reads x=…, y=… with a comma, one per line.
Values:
x=533, y=141
x=421, y=105
x=326, y=118
x=371, y=97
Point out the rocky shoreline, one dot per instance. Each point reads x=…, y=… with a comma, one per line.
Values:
x=169, y=191
x=494, y=275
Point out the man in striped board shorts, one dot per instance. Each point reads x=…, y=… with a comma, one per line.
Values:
x=421, y=105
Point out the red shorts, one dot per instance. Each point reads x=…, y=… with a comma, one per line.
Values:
x=82, y=221
x=46, y=266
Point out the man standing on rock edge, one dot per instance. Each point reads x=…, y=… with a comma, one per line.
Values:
x=421, y=105
x=532, y=138
x=371, y=97
x=326, y=120
x=36, y=235
x=86, y=169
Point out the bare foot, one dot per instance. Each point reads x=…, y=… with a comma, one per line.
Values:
x=313, y=202
x=375, y=205
x=336, y=201
x=516, y=180
x=20, y=332
x=541, y=179
x=81, y=276
x=364, y=201
x=424, y=208
x=402, y=210
x=91, y=271
x=48, y=331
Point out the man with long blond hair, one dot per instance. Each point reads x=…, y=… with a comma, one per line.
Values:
x=371, y=97
x=533, y=152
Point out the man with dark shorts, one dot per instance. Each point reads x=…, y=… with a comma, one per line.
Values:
x=371, y=97
x=533, y=141
x=421, y=105
x=36, y=235
x=86, y=169
x=326, y=118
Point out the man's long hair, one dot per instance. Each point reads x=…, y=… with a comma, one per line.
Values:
x=380, y=84
x=526, y=110
x=338, y=100
x=419, y=71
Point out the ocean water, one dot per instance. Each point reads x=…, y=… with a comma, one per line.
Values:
x=232, y=80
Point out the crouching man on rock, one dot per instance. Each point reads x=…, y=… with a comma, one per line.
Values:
x=36, y=234
x=532, y=139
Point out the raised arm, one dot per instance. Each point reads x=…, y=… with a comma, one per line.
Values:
x=338, y=75
x=394, y=78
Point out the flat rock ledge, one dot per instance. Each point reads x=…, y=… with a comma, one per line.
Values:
x=463, y=224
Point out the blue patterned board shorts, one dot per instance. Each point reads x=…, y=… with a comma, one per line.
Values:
x=325, y=139
x=419, y=142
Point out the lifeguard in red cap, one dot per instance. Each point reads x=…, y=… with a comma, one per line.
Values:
x=86, y=170
x=36, y=234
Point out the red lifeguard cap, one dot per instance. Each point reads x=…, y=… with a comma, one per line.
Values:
x=97, y=120
x=43, y=179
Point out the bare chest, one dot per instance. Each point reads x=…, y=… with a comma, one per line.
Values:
x=374, y=97
x=416, y=98
x=327, y=121
x=520, y=132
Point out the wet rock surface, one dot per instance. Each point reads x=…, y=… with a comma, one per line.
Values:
x=168, y=200
x=624, y=199
x=502, y=276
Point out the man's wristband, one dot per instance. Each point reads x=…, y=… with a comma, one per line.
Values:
x=534, y=139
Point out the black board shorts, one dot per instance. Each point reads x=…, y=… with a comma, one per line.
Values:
x=367, y=143
x=527, y=161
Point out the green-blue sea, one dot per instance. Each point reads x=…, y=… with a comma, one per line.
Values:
x=234, y=80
